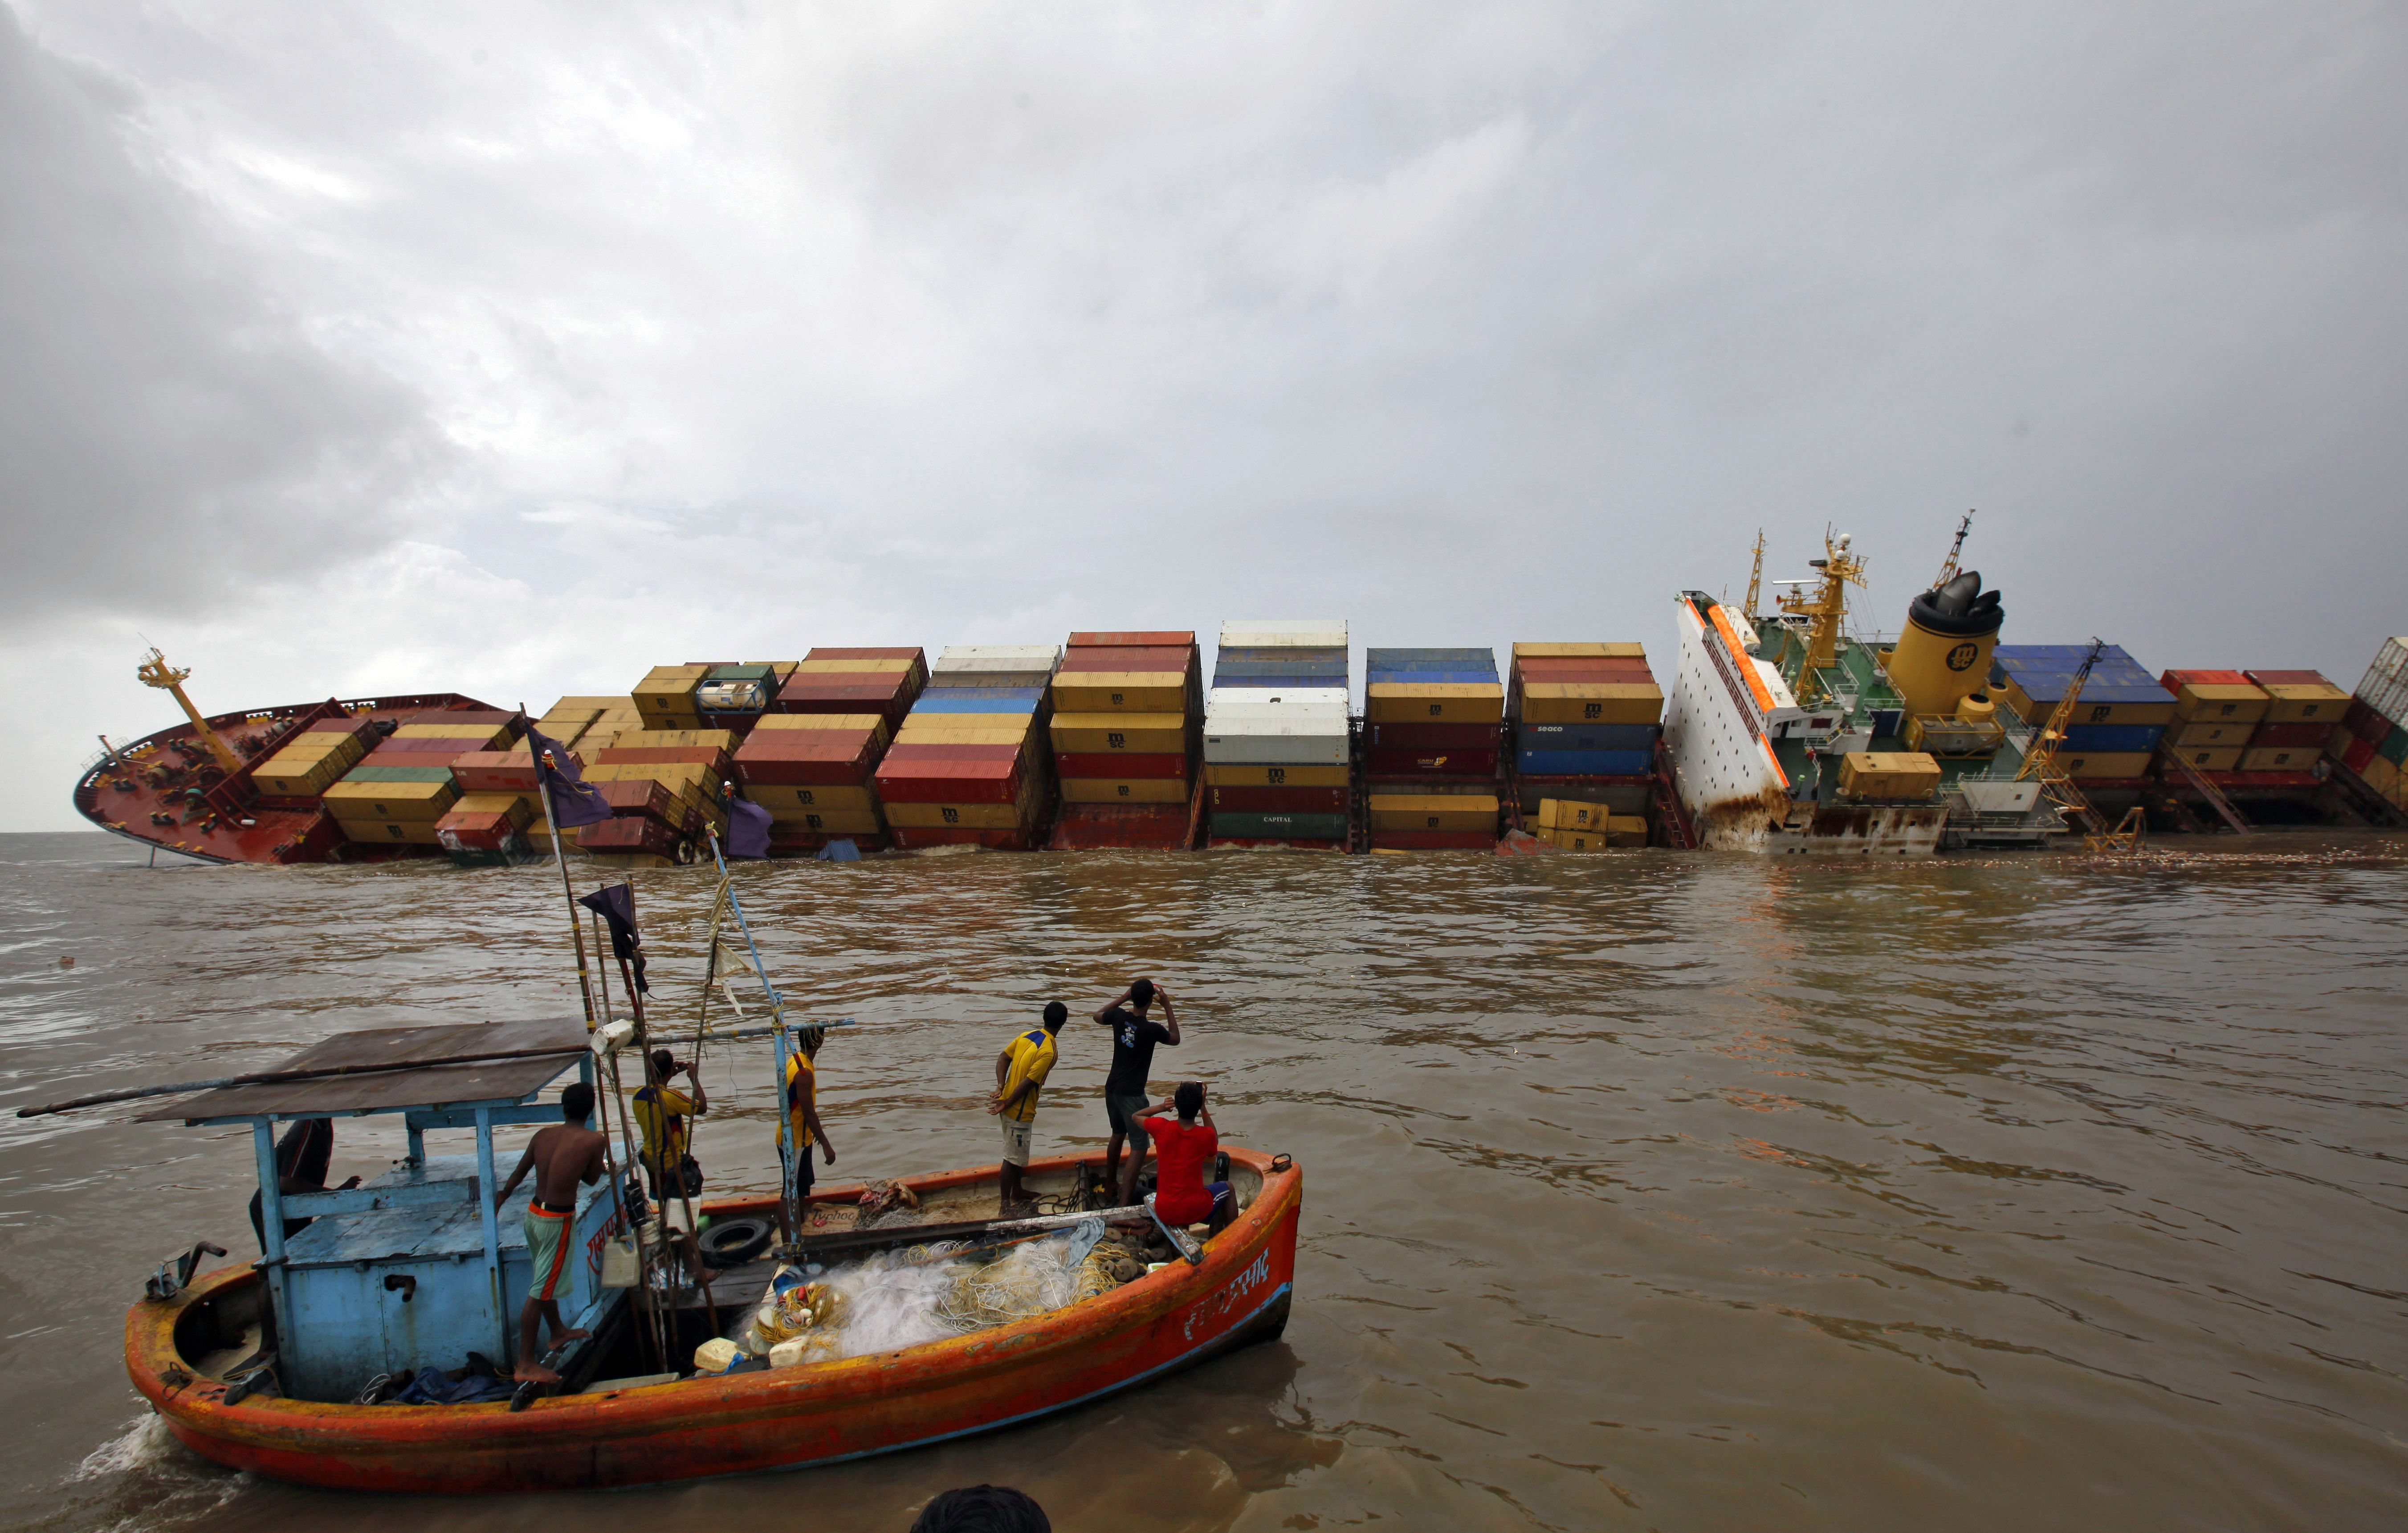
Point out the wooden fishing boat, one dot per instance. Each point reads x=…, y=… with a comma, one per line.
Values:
x=1237, y=1293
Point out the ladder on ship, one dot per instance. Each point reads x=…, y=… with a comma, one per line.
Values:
x=2198, y=783
x=1672, y=816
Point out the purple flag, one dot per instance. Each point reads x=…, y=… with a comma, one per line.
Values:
x=747, y=829
x=615, y=903
x=574, y=801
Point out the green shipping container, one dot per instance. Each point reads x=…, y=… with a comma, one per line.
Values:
x=398, y=774
x=2395, y=746
x=1316, y=827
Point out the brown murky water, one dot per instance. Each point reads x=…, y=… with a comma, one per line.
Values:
x=1641, y=1191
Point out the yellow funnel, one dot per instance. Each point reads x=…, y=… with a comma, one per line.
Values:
x=1944, y=653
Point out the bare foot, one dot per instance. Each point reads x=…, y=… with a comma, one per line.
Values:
x=566, y=1337
x=535, y=1373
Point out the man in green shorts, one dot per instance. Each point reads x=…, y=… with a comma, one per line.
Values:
x=562, y=1157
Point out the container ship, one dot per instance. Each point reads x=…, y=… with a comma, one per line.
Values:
x=1781, y=732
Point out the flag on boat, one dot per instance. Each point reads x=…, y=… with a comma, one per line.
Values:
x=615, y=903
x=574, y=801
x=747, y=829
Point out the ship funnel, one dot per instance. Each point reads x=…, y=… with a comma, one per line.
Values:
x=1943, y=656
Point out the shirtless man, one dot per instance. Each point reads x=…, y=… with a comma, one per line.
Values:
x=562, y=1156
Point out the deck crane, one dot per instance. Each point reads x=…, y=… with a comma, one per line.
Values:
x=154, y=671
x=1948, y=567
x=1823, y=611
x=1755, y=580
x=2041, y=764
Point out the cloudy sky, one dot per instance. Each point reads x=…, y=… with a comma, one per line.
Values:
x=516, y=349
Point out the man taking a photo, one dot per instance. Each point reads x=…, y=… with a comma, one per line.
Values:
x=1133, y=1036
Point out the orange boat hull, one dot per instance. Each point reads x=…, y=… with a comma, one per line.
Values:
x=780, y=1419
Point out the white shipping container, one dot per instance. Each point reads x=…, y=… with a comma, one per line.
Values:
x=1230, y=703
x=2386, y=686
x=989, y=668
x=1284, y=634
x=1297, y=749
x=1044, y=654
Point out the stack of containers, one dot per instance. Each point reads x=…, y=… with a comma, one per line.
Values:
x=665, y=697
x=2373, y=744
x=1278, y=744
x=1433, y=736
x=2303, y=713
x=310, y=763
x=496, y=817
x=2214, y=712
x=970, y=766
x=1584, y=719
x=816, y=774
x=1127, y=735
x=1573, y=825
x=2122, y=718
x=884, y=681
x=663, y=786
x=405, y=785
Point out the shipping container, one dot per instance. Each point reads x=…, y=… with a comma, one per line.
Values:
x=1275, y=775
x=2210, y=758
x=1584, y=763
x=1122, y=692
x=1154, y=638
x=1433, y=811
x=1281, y=800
x=1435, y=737
x=1888, y=776
x=1115, y=764
x=1403, y=761
x=296, y=775
x=629, y=835
x=2098, y=739
x=402, y=771
x=2113, y=767
x=1135, y=790
x=1416, y=702
x=1586, y=737
x=1617, y=650
x=2272, y=735
x=1592, y=702
x=665, y=697
x=1117, y=734
x=2205, y=734
x=2120, y=690
x=1080, y=661
x=2299, y=696
x=1571, y=814
x=2281, y=758
x=1278, y=826
x=416, y=802
x=2223, y=696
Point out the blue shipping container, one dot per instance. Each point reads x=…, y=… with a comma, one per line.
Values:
x=977, y=700
x=1449, y=658
x=2107, y=738
x=1586, y=737
x=1585, y=763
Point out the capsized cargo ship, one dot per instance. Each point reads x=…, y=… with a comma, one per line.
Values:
x=1789, y=734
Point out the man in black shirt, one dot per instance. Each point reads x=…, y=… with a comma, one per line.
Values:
x=1134, y=1035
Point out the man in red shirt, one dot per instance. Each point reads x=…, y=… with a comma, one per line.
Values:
x=1183, y=1156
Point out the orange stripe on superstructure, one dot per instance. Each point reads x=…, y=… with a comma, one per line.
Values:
x=1747, y=666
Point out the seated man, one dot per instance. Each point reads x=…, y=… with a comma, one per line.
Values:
x=302, y=1158
x=562, y=1156
x=661, y=1117
x=1184, y=1153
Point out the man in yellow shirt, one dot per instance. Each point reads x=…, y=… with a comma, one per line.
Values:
x=803, y=1111
x=661, y=1117
x=1020, y=1073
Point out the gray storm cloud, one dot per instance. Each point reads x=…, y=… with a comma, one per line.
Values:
x=167, y=437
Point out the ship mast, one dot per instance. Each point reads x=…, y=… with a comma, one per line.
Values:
x=1754, y=579
x=155, y=672
x=1948, y=567
x=1824, y=609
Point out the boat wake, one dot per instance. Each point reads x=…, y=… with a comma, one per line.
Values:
x=147, y=1481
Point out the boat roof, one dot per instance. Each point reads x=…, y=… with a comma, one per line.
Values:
x=391, y=1086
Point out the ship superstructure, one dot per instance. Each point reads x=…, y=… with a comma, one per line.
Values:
x=1789, y=734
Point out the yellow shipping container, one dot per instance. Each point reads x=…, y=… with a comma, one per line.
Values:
x=1889, y=774
x=1120, y=691
x=1580, y=651
x=389, y=831
x=288, y=775
x=1626, y=830
x=962, y=734
x=2382, y=775
x=1218, y=775
x=2209, y=732
x=1571, y=814
x=875, y=723
x=953, y=816
x=1592, y=702
x=495, y=739
x=664, y=698
x=2281, y=758
x=1433, y=811
x=827, y=822
x=518, y=807
x=2305, y=702
x=1136, y=790
x=1133, y=734
x=2108, y=766
x=316, y=744
x=1574, y=840
x=687, y=780
x=369, y=801
x=855, y=667
x=2212, y=758
x=2236, y=702
x=1438, y=702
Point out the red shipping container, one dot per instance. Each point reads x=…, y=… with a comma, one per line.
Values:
x=1408, y=762
x=2173, y=681
x=1142, y=639
x=2288, y=679
x=2354, y=755
x=1129, y=660
x=665, y=755
x=639, y=798
x=808, y=757
x=481, y=831
x=2367, y=725
x=950, y=782
x=488, y=719
x=629, y=833
x=741, y=723
x=2296, y=736
x=993, y=841
x=909, y=753
x=498, y=771
x=1107, y=764
x=363, y=728
x=1277, y=800
x=1427, y=738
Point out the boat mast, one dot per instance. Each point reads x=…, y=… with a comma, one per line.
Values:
x=1823, y=611
x=1948, y=565
x=1754, y=579
x=154, y=671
